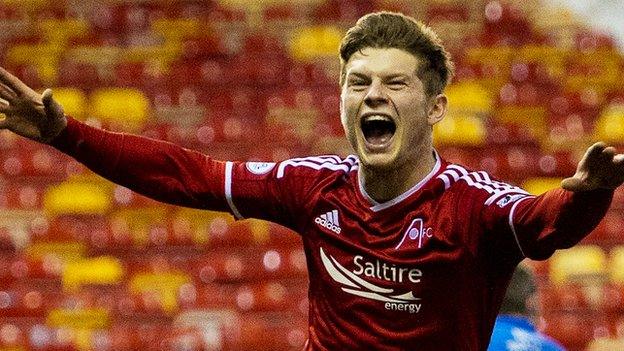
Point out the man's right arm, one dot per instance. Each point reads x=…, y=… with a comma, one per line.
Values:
x=157, y=169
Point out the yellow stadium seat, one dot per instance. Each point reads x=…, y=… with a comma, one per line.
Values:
x=177, y=29
x=66, y=251
x=138, y=221
x=160, y=56
x=91, y=318
x=93, y=271
x=75, y=197
x=73, y=100
x=616, y=265
x=552, y=57
x=310, y=43
x=165, y=285
x=461, y=129
x=469, y=96
x=499, y=54
x=124, y=108
x=540, y=185
x=202, y=223
x=60, y=31
x=28, y=5
x=583, y=263
x=99, y=56
x=533, y=117
x=610, y=124
x=45, y=57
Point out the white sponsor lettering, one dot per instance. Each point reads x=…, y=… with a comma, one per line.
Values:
x=385, y=271
x=410, y=307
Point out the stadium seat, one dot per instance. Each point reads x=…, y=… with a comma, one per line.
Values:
x=43, y=57
x=61, y=31
x=609, y=231
x=453, y=11
x=610, y=125
x=126, y=109
x=573, y=329
x=582, y=263
x=175, y=30
x=531, y=118
x=205, y=227
x=73, y=100
x=469, y=96
x=64, y=251
x=616, y=264
x=460, y=129
x=77, y=197
x=540, y=185
x=310, y=43
x=22, y=304
x=83, y=76
x=93, y=271
x=164, y=286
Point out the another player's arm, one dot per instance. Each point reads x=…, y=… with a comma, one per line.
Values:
x=154, y=168
x=560, y=218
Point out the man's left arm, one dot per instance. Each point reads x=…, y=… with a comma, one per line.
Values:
x=560, y=218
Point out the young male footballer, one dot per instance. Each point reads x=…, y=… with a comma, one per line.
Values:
x=405, y=251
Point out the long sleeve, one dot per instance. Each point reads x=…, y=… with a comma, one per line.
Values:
x=157, y=169
x=557, y=219
x=172, y=174
x=507, y=224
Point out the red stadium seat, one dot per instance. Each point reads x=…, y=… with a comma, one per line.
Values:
x=574, y=330
x=448, y=11
x=250, y=265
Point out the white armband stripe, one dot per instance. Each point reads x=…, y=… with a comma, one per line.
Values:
x=228, y=189
x=511, y=224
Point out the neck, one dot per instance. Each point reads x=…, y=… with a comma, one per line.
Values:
x=386, y=184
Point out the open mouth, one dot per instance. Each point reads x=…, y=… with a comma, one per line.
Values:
x=378, y=129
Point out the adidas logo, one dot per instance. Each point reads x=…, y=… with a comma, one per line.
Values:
x=329, y=220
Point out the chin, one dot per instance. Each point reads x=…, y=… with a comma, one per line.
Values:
x=378, y=161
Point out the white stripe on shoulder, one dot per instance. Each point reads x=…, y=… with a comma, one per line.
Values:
x=451, y=174
x=228, y=189
x=331, y=162
x=480, y=180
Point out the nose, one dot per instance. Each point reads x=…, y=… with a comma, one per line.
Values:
x=376, y=94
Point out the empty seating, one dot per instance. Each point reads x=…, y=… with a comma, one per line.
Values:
x=585, y=262
x=77, y=197
x=125, y=109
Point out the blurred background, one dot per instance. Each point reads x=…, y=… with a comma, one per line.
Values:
x=87, y=265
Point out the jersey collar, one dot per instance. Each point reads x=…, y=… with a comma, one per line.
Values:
x=381, y=206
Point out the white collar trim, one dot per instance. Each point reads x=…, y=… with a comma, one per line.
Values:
x=381, y=206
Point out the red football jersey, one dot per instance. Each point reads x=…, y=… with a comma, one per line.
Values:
x=424, y=271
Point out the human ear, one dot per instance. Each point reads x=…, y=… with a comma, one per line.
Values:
x=437, y=109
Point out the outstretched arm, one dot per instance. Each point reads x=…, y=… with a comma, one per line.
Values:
x=161, y=170
x=560, y=218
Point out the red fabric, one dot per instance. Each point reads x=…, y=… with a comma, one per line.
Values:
x=425, y=271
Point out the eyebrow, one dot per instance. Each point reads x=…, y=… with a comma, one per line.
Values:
x=388, y=77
